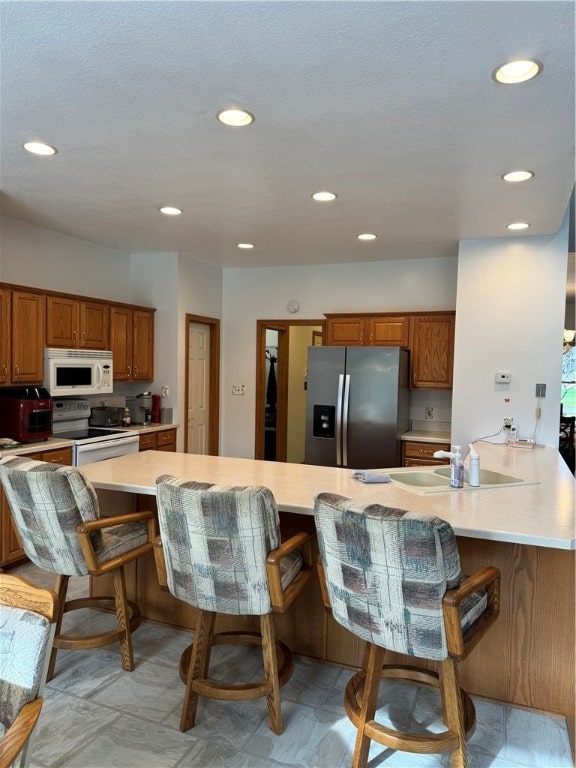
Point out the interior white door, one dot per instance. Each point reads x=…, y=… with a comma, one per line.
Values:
x=198, y=387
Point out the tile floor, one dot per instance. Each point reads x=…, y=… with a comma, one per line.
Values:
x=96, y=715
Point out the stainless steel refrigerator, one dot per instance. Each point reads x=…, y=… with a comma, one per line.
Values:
x=357, y=406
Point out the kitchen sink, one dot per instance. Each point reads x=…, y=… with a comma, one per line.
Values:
x=437, y=480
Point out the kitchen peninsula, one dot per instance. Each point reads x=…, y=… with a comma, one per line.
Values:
x=527, y=531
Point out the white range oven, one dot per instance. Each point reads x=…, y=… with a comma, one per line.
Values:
x=70, y=422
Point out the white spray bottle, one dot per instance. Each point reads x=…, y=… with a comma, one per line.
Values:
x=474, y=472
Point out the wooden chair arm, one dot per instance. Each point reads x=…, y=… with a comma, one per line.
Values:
x=14, y=739
x=160, y=561
x=459, y=645
x=85, y=529
x=20, y=593
x=281, y=599
x=322, y=582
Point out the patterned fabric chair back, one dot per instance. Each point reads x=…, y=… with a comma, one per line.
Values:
x=215, y=541
x=25, y=641
x=386, y=573
x=48, y=502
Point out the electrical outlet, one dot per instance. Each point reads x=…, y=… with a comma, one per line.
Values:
x=238, y=389
x=165, y=391
x=428, y=413
x=508, y=421
x=540, y=390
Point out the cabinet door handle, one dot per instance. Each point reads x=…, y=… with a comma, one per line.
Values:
x=16, y=371
x=129, y=370
x=75, y=335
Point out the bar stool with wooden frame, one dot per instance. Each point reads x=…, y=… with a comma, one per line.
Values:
x=219, y=550
x=393, y=578
x=57, y=516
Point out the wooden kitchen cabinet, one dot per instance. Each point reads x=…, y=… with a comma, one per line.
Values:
x=10, y=546
x=77, y=324
x=368, y=330
x=388, y=331
x=22, y=337
x=5, y=337
x=164, y=440
x=346, y=330
x=432, y=350
x=132, y=343
x=418, y=454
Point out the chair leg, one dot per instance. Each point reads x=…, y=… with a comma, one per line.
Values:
x=374, y=660
x=453, y=709
x=198, y=667
x=123, y=619
x=270, y=661
x=61, y=588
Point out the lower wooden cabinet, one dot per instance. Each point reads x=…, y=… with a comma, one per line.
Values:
x=417, y=454
x=10, y=546
x=164, y=440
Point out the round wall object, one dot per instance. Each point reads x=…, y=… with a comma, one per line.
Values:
x=293, y=306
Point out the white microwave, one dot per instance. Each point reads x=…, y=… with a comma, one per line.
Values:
x=77, y=372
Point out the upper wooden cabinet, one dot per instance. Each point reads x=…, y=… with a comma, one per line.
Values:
x=132, y=343
x=429, y=336
x=432, y=350
x=21, y=337
x=5, y=337
x=77, y=324
x=368, y=330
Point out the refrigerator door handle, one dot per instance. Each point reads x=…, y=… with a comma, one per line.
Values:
x=339, y=420
x=345, y=421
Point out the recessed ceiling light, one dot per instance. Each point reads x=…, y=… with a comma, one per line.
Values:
x=366, y=236
x=518, y=225
x=518, y=176
x=517, y=71
x=246, y=246
x=170, y=210
x=323, y=197
x=236, y=118
x=39, y=148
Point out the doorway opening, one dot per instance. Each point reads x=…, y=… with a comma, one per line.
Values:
x=202, y=385
x=281, y=360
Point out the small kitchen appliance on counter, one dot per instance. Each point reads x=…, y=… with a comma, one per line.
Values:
x=25, y=414
x=140, y=408
x=71, y=422
x=105, y=416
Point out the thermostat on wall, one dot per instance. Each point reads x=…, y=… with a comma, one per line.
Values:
x=503, y=377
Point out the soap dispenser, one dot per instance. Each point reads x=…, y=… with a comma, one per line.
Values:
x=456, y=465
x=456, y=468
x=474, y=472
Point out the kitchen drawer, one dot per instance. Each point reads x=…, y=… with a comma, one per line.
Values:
x=148, y=442
x=166, y=441
x=62, y=456
x=416, y=453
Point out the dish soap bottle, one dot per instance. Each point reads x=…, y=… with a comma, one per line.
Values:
x=474, y=473
x=456, y=468
x=126, y=418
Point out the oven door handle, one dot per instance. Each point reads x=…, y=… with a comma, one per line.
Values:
x=121, y=442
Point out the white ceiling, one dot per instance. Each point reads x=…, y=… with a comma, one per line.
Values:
x=389, y=104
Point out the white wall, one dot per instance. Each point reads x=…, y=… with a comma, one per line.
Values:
x=509, y=317
x=42, y=258
x=175, y=284
x=262, y=293
x=300, y=339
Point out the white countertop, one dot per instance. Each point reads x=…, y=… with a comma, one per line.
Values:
x=425, y=436
x=542, y=514
x=52, y=444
